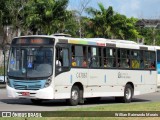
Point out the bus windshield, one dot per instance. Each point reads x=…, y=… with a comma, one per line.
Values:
x=30, y=62
x=158, y=56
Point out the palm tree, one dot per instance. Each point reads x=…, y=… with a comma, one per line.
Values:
x=45, y=16
x=102, y=20
x=107, y=23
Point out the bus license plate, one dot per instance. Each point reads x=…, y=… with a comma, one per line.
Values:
x=25, y=94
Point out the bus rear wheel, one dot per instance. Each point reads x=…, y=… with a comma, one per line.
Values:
x=128, y=94
x=75, y=96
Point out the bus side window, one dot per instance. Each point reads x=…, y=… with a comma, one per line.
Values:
x=135, y=59
x=79, y=56
x=118, y=58
x=85, y=62
x=65, y=57
x=62, y=58
x=124, y=58
x=141, y=55
x=152, y=60
x=94, y=56
x=149, y=60
x=89, y=55
x=109, y=57
x=73, y=61
x=58, y=57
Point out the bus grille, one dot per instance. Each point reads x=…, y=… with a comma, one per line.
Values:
x=28, y=85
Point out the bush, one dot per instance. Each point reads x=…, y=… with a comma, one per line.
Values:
x=1, y=70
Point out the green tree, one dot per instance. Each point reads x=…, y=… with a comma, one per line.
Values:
x=5, y=19
x=124, y=28
x=16, y=8
x=101, y=21
x=109, y=24
x=71, y=25
x=45, y=16
x=149, y=34
x=11, y=17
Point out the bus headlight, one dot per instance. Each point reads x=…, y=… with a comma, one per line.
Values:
x=48, y=82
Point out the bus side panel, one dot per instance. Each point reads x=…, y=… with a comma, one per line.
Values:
x=144, y=89
x=110, y=82
x=65, y=81
x=102, y=77
x=150, y=77
x=137, y=77
x=144, y=81
x=104, y=82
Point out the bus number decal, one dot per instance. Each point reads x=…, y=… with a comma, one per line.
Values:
x=81, y=75
x=123, y=75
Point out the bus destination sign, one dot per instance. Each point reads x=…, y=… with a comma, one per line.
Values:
x=33, y=41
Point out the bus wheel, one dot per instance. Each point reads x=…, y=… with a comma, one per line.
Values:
x=128, y=94
x=75, y=95
x=36, y=101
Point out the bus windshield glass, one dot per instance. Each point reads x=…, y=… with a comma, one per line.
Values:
x=158, y=56
x=30, y=62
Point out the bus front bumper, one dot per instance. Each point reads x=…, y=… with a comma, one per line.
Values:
x=45, y=93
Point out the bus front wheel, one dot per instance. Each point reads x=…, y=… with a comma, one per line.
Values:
x=75, y=95
x=128, y=94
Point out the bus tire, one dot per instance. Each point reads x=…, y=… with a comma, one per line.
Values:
x=36, y=101
x=75, y=96
x=128, y=94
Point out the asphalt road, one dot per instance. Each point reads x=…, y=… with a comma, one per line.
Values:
x=8, y=104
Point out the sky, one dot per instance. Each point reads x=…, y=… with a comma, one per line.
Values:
x=146, y=9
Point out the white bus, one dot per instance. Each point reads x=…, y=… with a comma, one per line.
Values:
x=158, y=65
x=56, y=67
